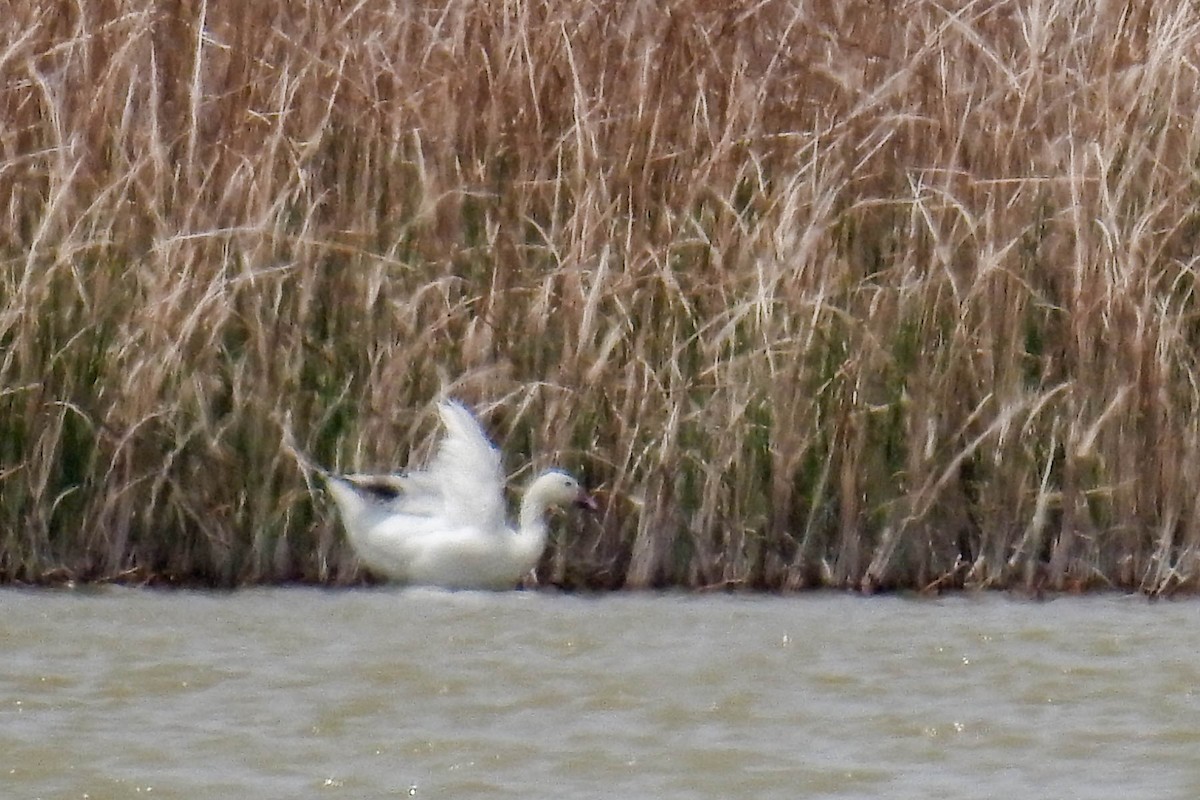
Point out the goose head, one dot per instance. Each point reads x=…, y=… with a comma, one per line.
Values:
x=555, y=488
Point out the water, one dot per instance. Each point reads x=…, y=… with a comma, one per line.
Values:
x=290, y=693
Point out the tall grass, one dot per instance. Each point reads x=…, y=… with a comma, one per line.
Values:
x=873, y=296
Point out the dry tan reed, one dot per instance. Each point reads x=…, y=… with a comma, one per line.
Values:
x=879, y=295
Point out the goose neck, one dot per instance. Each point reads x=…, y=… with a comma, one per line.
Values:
x=532, y=518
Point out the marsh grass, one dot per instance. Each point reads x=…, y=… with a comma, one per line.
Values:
x=880, y=296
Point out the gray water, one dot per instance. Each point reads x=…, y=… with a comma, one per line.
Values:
x=294, y=693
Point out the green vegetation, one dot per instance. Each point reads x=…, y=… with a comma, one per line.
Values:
x=880, y=296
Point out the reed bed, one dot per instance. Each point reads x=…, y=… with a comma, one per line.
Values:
x=878, y=296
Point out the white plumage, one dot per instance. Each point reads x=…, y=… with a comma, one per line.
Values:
x=445, y=525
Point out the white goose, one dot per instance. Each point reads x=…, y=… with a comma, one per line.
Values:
x=445, y=526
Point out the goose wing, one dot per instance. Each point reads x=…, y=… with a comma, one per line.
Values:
x=466, y=472
x=414, y=493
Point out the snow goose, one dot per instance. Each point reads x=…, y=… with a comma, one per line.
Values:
x=445, y=525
